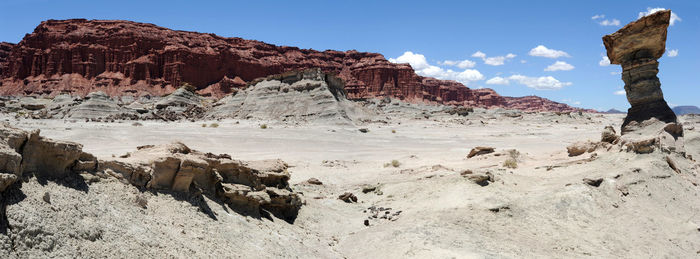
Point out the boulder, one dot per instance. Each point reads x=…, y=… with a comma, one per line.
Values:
x=348, y=197
x=314, y=181
x=650, y=135
x=49, y=158
x=609, y=135
x=579, y=148
x=6, y=180
x=477, y=151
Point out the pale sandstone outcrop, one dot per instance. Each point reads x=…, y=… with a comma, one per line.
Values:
x=255, y=188
x=251, y=187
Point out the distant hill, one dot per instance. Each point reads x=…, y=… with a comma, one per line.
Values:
x=614, y=111
x=686, y=109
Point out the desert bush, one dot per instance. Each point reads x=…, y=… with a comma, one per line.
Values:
x=214, y=125
x=263, y=126
x=510, y=163
x=395, y=163
x=393, y=131
x=514, y=153
x=204, y=125
x=136, y=124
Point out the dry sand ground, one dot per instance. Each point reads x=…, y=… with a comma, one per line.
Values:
x=641, y=209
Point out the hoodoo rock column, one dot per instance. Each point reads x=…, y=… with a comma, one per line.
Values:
x=636, y=47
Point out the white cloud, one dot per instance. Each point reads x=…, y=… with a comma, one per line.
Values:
x=493, y=61
x=479, y=54
x=620, y=92
x=460, y=64
x=540, y=83
x=604, y=62
x=522, y=61
x=469, y=75
x=497, y=81
x=606, y=22
x=672, y=53
x=613, y=22
x=417, y=61
x=423, y=68
x=542, y=51
x=559, y=66
x=614, y=73
x=570, y=101
x=650, y=10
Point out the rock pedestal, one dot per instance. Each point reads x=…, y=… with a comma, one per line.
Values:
x=636, y=47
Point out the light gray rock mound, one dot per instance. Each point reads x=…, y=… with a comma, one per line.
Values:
x=97, y=105
x=308, y=95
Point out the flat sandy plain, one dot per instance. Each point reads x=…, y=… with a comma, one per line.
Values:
x=542, y=208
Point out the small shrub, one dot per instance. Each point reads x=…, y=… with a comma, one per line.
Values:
x=510, y=163
x=395, y=163
x=393, y=131
x=364, y=130
x=513, y=153
x=214, y=125
x=136, y=124
x=263, y=126
x=204, y=125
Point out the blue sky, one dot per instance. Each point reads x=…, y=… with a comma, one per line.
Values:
x=438, y=30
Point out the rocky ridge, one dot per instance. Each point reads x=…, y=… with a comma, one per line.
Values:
x=127, y=58
x=257, y=188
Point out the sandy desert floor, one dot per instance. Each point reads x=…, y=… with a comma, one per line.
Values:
x=424, y=207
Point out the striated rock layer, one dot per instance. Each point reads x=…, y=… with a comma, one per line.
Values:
x=307, y=95
x=636, y=47
x=129, y=58
x=5, y=48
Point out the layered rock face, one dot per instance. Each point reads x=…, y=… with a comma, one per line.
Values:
x=308, y=95
x=5, y=48
x=96, y=105
x=636, y=47
x=128, y=58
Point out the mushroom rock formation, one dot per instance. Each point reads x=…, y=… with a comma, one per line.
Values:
x=636, y=47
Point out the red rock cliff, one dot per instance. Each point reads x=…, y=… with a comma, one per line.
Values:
x=5, y=48
x=129, y=58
